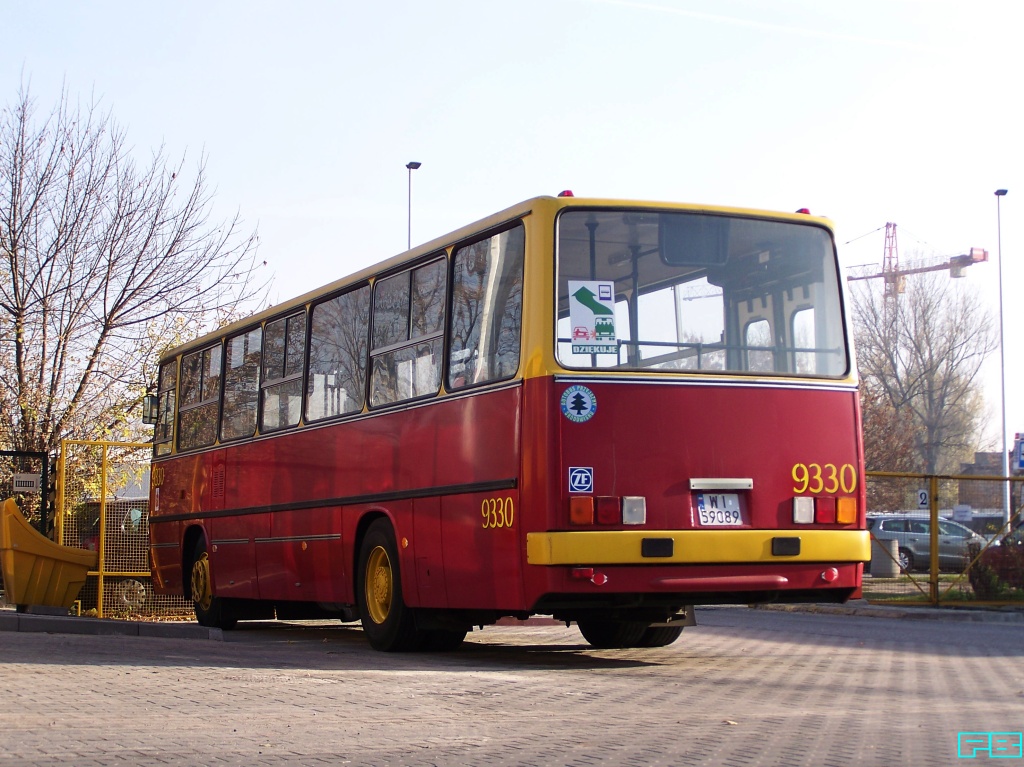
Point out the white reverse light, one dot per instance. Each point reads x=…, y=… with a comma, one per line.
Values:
x=803, y=510
x=634, y=510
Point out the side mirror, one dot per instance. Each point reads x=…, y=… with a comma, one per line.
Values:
x=149, y=410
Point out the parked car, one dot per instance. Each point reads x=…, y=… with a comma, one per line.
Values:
x=912, y=532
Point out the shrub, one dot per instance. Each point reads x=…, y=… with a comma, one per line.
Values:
x=999, y=570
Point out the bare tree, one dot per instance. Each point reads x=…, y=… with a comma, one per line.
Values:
x=920, y=354
x=889, y=445
x=103, y=262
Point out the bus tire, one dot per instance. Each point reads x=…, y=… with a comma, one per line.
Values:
x=389, y=625
x=612, y=634
x=211, y=611
x=441, y=640
x=660, y=636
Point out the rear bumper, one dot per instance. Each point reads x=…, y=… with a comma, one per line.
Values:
x=660, y=547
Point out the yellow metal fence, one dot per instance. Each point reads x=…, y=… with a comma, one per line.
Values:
x=945, y=540
x=103, y=505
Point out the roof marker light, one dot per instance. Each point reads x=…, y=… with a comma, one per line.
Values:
x=566, y=193
x=805, y=211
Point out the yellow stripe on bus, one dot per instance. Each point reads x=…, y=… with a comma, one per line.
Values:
x=623, y=547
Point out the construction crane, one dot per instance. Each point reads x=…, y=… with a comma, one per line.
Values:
x=895, y=277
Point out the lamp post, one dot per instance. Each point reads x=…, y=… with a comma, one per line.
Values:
x=411, y=166
x=1005, y=462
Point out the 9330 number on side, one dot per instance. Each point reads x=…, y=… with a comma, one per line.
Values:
x=497, y=513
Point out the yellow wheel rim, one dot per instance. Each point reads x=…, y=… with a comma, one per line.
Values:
x=378, y=585
x=202, y=594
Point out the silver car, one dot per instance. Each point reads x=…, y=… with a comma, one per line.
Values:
x=913, y=535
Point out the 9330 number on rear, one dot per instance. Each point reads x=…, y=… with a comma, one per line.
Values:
x=816, y=478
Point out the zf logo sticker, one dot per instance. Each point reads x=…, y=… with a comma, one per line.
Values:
x=581, y=480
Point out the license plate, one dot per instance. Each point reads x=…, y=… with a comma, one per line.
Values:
x=719, y=510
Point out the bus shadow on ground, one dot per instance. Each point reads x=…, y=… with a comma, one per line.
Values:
x=488, y=650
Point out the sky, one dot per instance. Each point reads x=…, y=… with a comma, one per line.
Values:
x=307, y=112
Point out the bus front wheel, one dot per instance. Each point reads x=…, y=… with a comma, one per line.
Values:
x=211, y=611
x=389, y=625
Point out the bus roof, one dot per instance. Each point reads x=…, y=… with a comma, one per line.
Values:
x=490, y=222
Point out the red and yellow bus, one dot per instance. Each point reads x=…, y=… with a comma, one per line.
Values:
x=603, y=411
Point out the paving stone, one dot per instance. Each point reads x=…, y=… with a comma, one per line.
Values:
x=744, y=688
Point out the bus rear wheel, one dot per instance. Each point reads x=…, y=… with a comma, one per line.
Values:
x=389, y=625
x=612, y=634
x=211, y=611
x=660, y=636
x=441, y=640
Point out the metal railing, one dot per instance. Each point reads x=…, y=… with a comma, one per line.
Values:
x=941, y=540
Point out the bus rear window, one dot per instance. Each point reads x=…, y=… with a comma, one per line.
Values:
x=676, y=291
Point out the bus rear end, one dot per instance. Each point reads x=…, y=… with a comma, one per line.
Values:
x=697, y=440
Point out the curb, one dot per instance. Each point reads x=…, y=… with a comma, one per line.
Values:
x=66, y=624
x=866, y=610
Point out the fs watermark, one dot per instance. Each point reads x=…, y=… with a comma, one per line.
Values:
x=990, y=745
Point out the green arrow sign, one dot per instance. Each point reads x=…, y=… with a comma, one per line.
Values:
x=587, y=298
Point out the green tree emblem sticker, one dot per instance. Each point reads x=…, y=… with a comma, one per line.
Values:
x=578, y=403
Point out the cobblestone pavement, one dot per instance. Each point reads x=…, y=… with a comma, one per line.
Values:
x=745, y=687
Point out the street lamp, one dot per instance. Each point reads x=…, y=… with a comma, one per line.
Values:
x=411, y=166
x=1000, y=193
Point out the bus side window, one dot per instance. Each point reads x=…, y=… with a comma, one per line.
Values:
x=337, y=355
x=487, y=306
x=164, y=431
x=408, y=325
x=241, y=385
x=284, y=347
x=200, y=392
